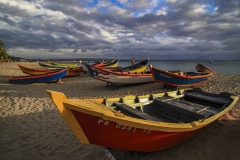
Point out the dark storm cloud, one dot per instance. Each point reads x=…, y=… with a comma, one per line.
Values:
x=83, y=50
x=190, y=27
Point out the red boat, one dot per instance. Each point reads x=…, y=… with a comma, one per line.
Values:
x=142, y=123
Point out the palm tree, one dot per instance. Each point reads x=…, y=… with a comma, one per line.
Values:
x=1, y=43
x=3, y=53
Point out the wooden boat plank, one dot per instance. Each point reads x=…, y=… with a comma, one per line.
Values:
x=196, y=74
x=134, y=112
x=90, y=103
x=180, y=108
x=195, y=108
x=219, y=100
x=168, y=118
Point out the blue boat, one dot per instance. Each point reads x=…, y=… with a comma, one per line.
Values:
x=180, y=78
x=46, y=78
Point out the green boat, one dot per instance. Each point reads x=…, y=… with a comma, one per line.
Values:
x=65, y=64
x=55, y=66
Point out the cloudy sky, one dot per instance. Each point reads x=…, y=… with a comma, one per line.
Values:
x=158, y=29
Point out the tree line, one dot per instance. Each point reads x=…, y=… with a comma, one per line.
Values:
x=3, y=53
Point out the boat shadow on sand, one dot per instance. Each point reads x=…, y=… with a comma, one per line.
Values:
x=45, y=135
x=113, y=86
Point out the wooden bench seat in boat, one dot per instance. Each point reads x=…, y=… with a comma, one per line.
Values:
x=193, y=107
x=179, y=111
x=218, y=100
x=128, y=110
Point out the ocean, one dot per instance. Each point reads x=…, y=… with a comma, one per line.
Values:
x=229, y=67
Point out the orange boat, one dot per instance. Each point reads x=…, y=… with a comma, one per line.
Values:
x=35, y=72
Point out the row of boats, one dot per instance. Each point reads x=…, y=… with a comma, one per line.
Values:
x=142, y=123
x=113, y=75
x=137, y=74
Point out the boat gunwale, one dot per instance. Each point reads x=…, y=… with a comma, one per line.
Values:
x=134, y=74
x=39, y=76
x=55, y=66
x=39, y=70
x=212, y=71
x=180, y=76
x=146, y=124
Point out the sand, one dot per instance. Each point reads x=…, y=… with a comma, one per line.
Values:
x=32, y=128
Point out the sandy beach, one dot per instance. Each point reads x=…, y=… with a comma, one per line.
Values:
x=32, y=128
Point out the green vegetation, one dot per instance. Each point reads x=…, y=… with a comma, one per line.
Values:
x=3, y=54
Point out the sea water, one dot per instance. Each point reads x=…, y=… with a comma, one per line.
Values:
x=229, y=67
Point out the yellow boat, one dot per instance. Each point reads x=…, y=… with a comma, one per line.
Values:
x=138, y=67
x=111, y=64
x=142, y=123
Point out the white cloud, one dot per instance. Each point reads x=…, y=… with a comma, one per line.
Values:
x=171, y=1
x=104, y=4
x=105, y=34
x=119, y=12
x=123, y=1
x=199, y=8
x=161, y=12
x=173, y=41
x=140, y=4
x=42, y=22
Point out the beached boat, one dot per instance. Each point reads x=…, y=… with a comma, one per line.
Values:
x=142, y=123
x=47, y=65
x=32, y=71
x=46, y=78
x=202, y=68
x=94, y=64
x=111, y=64
x=103, y=63
x=138, y=67
x=111, y=77
x=180, y=78
x=65, y=64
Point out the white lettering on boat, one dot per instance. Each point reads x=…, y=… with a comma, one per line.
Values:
x=123, y=127
x=148, y=131
x=165, y=75
x=100, y=121
x=134, y=129
x=119, y=126
x=129, y=128
x=106, y=123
